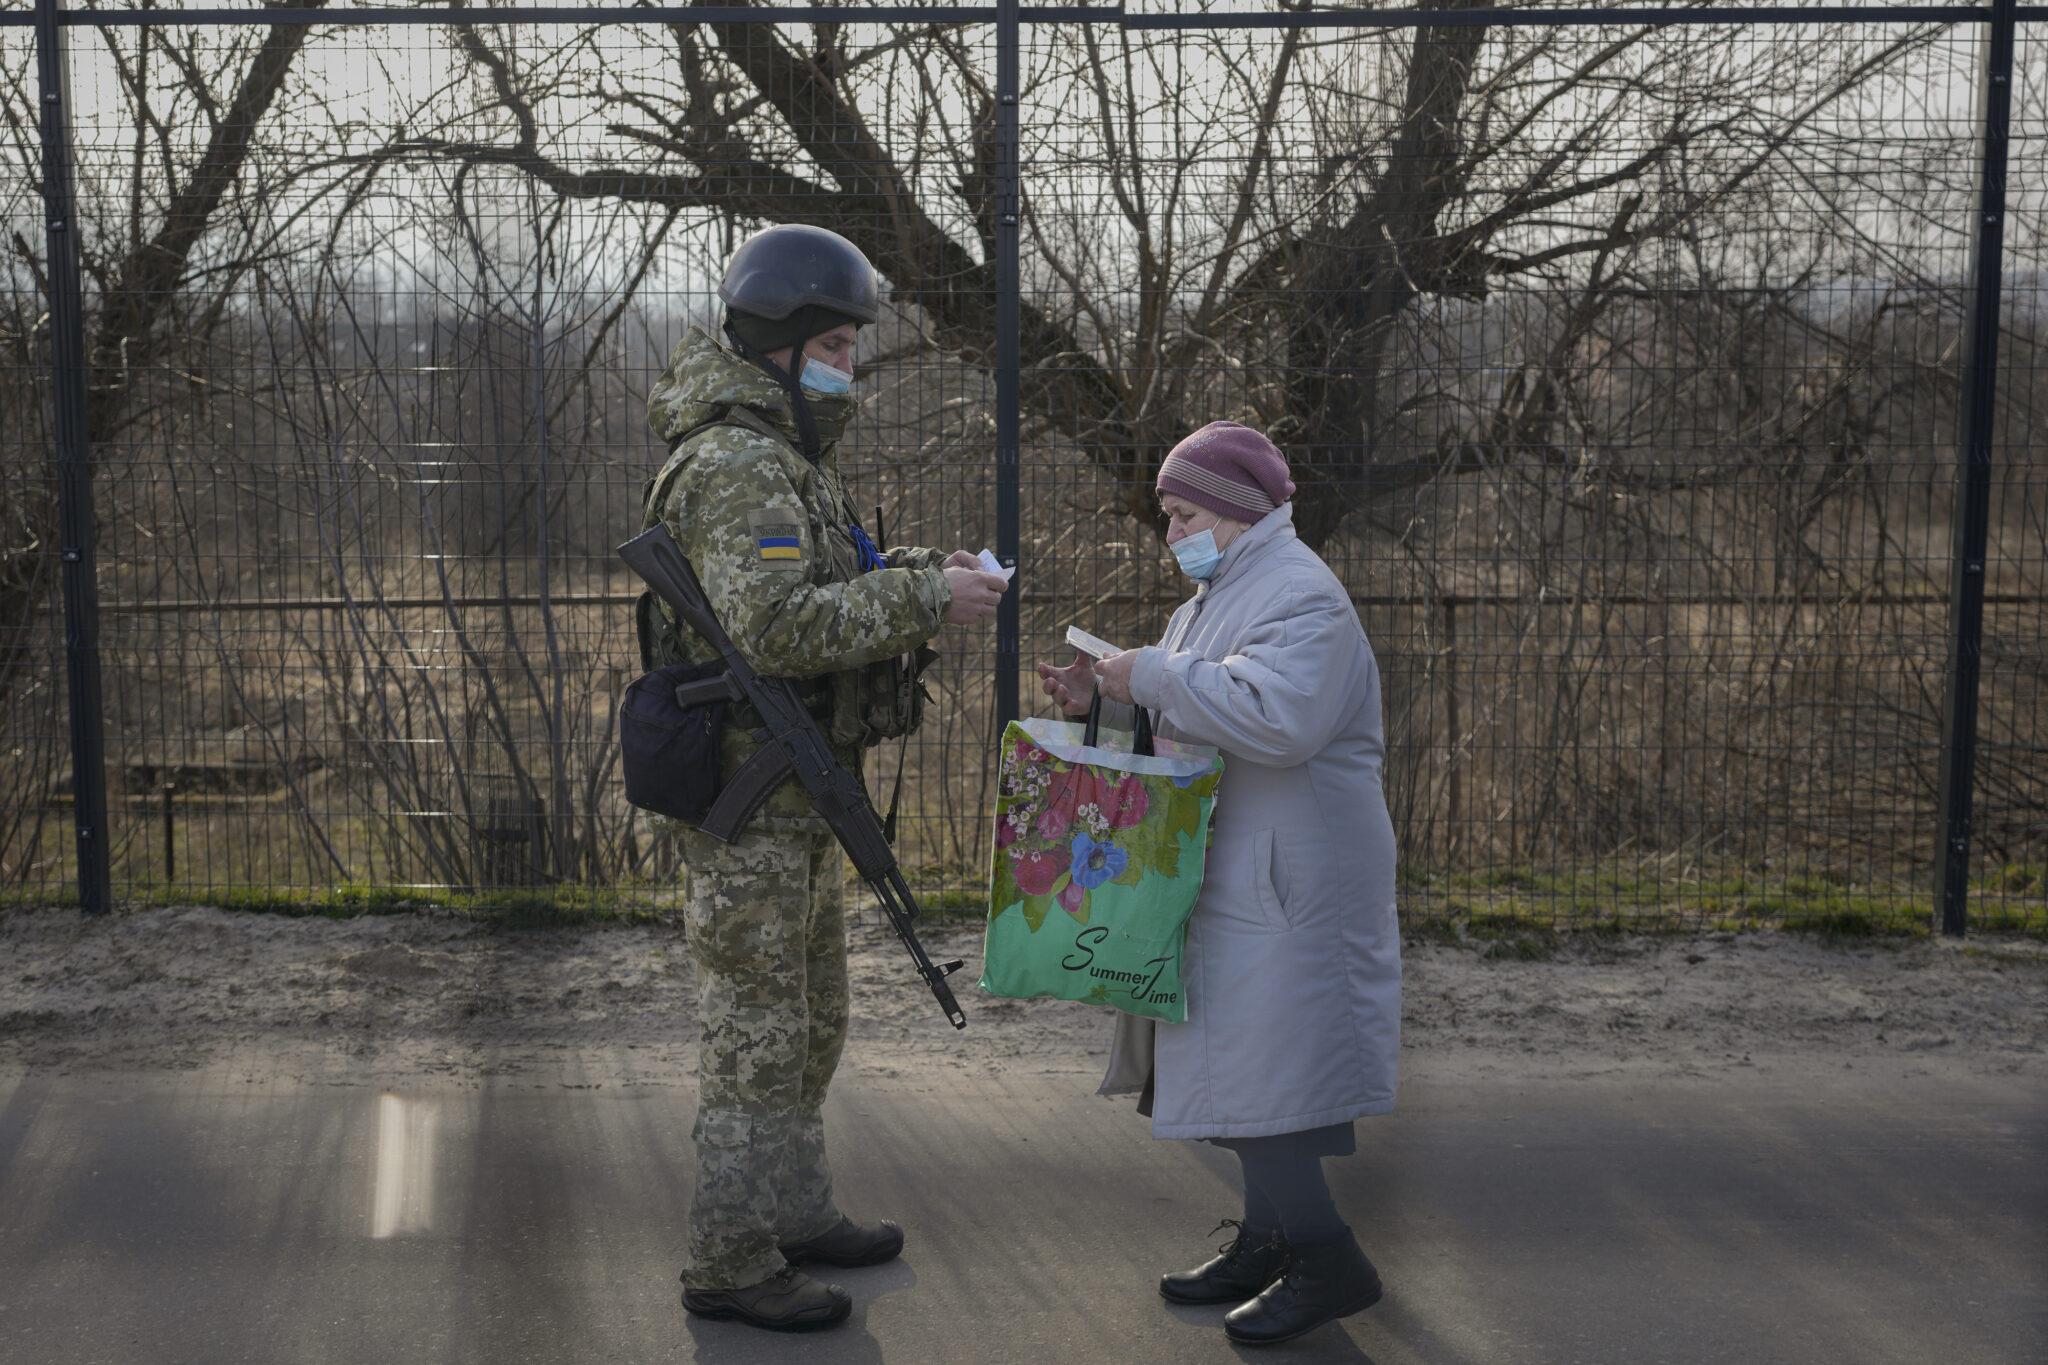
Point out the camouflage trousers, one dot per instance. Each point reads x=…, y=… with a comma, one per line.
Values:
x=765, y=920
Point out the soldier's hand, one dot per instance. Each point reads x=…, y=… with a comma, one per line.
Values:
x=1071, y=688
x=975, y=595
x=962, y=559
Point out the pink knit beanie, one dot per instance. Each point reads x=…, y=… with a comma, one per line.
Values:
x=1229, y=469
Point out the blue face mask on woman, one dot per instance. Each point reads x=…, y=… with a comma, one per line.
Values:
x=822, y=379
x=1198, y=555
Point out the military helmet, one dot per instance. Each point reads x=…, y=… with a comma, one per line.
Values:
x=796, y=266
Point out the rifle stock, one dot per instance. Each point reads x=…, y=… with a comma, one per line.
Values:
x=835, y=793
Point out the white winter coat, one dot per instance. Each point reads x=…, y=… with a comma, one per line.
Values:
x=1293, y=963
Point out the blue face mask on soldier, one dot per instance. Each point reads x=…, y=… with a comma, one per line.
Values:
x=821, y=378
x=1198, y=555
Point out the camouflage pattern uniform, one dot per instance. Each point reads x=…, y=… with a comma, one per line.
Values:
x=767, y=531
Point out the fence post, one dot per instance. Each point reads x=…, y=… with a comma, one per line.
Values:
x=74, y=468
x=1976, y=418
x=1009, y=651
x=1456, y=822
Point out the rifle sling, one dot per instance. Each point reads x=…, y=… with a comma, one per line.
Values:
x=895, y=797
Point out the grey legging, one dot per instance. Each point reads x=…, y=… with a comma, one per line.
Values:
x=1284, y=1187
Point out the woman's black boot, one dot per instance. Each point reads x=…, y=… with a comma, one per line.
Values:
x=1250, y=1261
x=1324, y=1282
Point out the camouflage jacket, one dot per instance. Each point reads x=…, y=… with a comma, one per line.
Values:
x=770, y=535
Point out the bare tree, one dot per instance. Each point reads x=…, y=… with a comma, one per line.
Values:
x=161, y=275
x=438, y=459
x=1462, y=160
x=161, y=279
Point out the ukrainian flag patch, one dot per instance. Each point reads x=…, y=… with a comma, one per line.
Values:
x=778, y=537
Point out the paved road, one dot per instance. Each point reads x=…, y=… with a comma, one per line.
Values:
x=194, y=1218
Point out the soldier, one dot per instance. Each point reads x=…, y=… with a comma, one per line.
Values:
x=751, y=492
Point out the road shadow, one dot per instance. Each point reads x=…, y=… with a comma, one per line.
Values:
x=1328, y=1342
x=735, y=1343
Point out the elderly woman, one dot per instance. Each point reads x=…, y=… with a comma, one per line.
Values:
x=1293, y=958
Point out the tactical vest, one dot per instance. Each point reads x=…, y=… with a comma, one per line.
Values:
x=855, y=706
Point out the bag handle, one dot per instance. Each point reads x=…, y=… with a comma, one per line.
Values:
x=1141, y=742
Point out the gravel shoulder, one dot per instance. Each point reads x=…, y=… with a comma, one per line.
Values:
x=435, y=998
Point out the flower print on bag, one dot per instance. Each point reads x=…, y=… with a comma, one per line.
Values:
x=1037, y=870
x=1096, y=863
x=1065, y=796
x=1010, y=825
x=1073, y=899
x=1124, y=804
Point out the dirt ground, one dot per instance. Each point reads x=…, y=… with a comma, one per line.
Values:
x=440, y=998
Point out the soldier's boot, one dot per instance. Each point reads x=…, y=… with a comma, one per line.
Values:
x=787, y=1301
x=847, y=1243
x=1248, y=1263
x=1324, y=1282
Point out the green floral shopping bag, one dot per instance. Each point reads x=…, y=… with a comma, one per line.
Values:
x=1097, y=863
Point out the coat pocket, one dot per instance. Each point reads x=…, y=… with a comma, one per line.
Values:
x=1270, y=881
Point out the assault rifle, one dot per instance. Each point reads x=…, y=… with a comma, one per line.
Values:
x=795, y=746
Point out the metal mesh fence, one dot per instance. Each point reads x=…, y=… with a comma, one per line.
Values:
x=2012, y=754
x=1617, y=362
